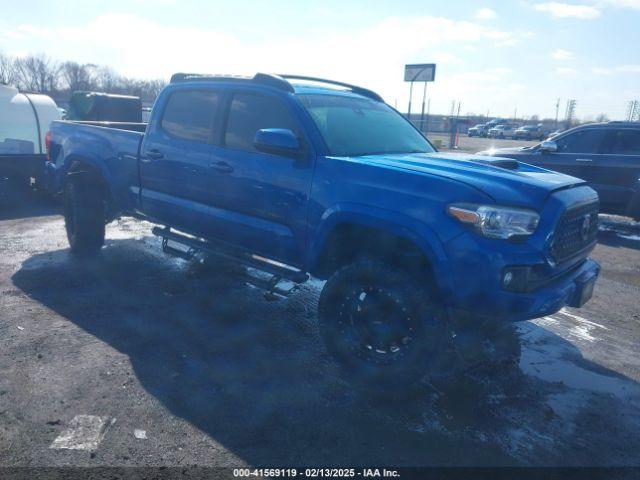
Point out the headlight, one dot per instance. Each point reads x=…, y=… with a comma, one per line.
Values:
x=495, y=221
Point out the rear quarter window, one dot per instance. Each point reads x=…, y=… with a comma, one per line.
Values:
x=189, y=114
x=626, y=142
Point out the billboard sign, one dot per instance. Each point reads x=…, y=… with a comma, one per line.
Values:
x=420, y=72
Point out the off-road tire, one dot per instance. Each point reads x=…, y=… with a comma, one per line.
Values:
x=84, y=215
x=402, y=297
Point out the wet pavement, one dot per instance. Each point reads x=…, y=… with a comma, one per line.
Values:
x=135, y=358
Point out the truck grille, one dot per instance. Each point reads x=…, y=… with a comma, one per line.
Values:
x=576, y=231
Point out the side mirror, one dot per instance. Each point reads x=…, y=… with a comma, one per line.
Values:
x=278, y=141
x=548, y=146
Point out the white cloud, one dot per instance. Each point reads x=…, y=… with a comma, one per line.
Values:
x=634, y=4
x=561, y=54
x=447, y=58
x=632, y=69
x=372, y=56
x=486, y=14
x=566, y=71
x=628, y=69
x=567, y=10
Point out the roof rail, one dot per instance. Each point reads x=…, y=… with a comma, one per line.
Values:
x=186, y=77
x=365, y=92
x=277, y=81
x=263, y=78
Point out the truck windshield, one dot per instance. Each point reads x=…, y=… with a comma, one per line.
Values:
x=354, y=126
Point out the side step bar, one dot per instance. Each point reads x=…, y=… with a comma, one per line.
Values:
x=228, y=252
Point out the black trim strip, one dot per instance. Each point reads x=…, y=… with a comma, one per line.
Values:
x=35, y=113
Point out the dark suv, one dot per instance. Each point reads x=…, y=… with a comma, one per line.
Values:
x=607, y=155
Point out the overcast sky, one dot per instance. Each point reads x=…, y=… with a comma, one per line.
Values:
x=491, y=55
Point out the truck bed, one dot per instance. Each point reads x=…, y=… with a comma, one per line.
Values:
x=111, y=148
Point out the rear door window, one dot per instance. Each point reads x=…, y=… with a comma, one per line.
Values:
x=249, y=113
x=626, y=142
x=189, y=114
x=582, y=141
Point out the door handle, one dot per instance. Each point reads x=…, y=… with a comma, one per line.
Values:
x=584, y=160
x=154, y=153
x=222, y=167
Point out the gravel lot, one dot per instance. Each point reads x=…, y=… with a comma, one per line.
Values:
x=171, y=366
x=475, y=144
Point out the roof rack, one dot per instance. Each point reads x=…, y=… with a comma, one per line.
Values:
x=365, y=92
x=277, y=81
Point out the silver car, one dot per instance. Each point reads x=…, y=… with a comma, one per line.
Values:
x=502, y=131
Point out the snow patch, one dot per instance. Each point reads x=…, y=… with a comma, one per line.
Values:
x=85, y=432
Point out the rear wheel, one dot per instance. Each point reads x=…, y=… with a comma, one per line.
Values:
x=84, y=215
x=381, y=325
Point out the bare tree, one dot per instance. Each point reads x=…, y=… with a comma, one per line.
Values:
x=38, y=73
x=602, y=118
x=7, y=69
x=107, y=80
x=41, y=74
x=79, y=76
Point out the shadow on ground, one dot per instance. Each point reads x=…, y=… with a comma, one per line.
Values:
x=27, y=203
x=253, y=375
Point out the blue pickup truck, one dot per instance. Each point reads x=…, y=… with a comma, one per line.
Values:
x=421, y=250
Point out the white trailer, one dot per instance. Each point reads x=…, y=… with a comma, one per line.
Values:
x=24, y=122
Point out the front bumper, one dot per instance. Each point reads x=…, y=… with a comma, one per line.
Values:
x=478, y=265
x=571, y=289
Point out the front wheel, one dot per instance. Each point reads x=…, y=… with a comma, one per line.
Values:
x=84, y=216
x=381, y=324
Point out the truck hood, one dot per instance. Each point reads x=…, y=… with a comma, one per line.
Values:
x=505, y=180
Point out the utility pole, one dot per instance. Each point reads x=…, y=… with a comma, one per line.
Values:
x=633, y=111
x=557, y=109
x=515, y=114
x=570, y=112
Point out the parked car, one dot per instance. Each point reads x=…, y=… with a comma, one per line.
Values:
x=104, y=107
x=502, y=131
x=529, y=132
x=495, y=122
x=427, y=256
x=607, y=155
x=24, y=121
x=478, y=131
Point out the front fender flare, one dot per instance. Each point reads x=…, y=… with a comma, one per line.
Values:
x=391, y=222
